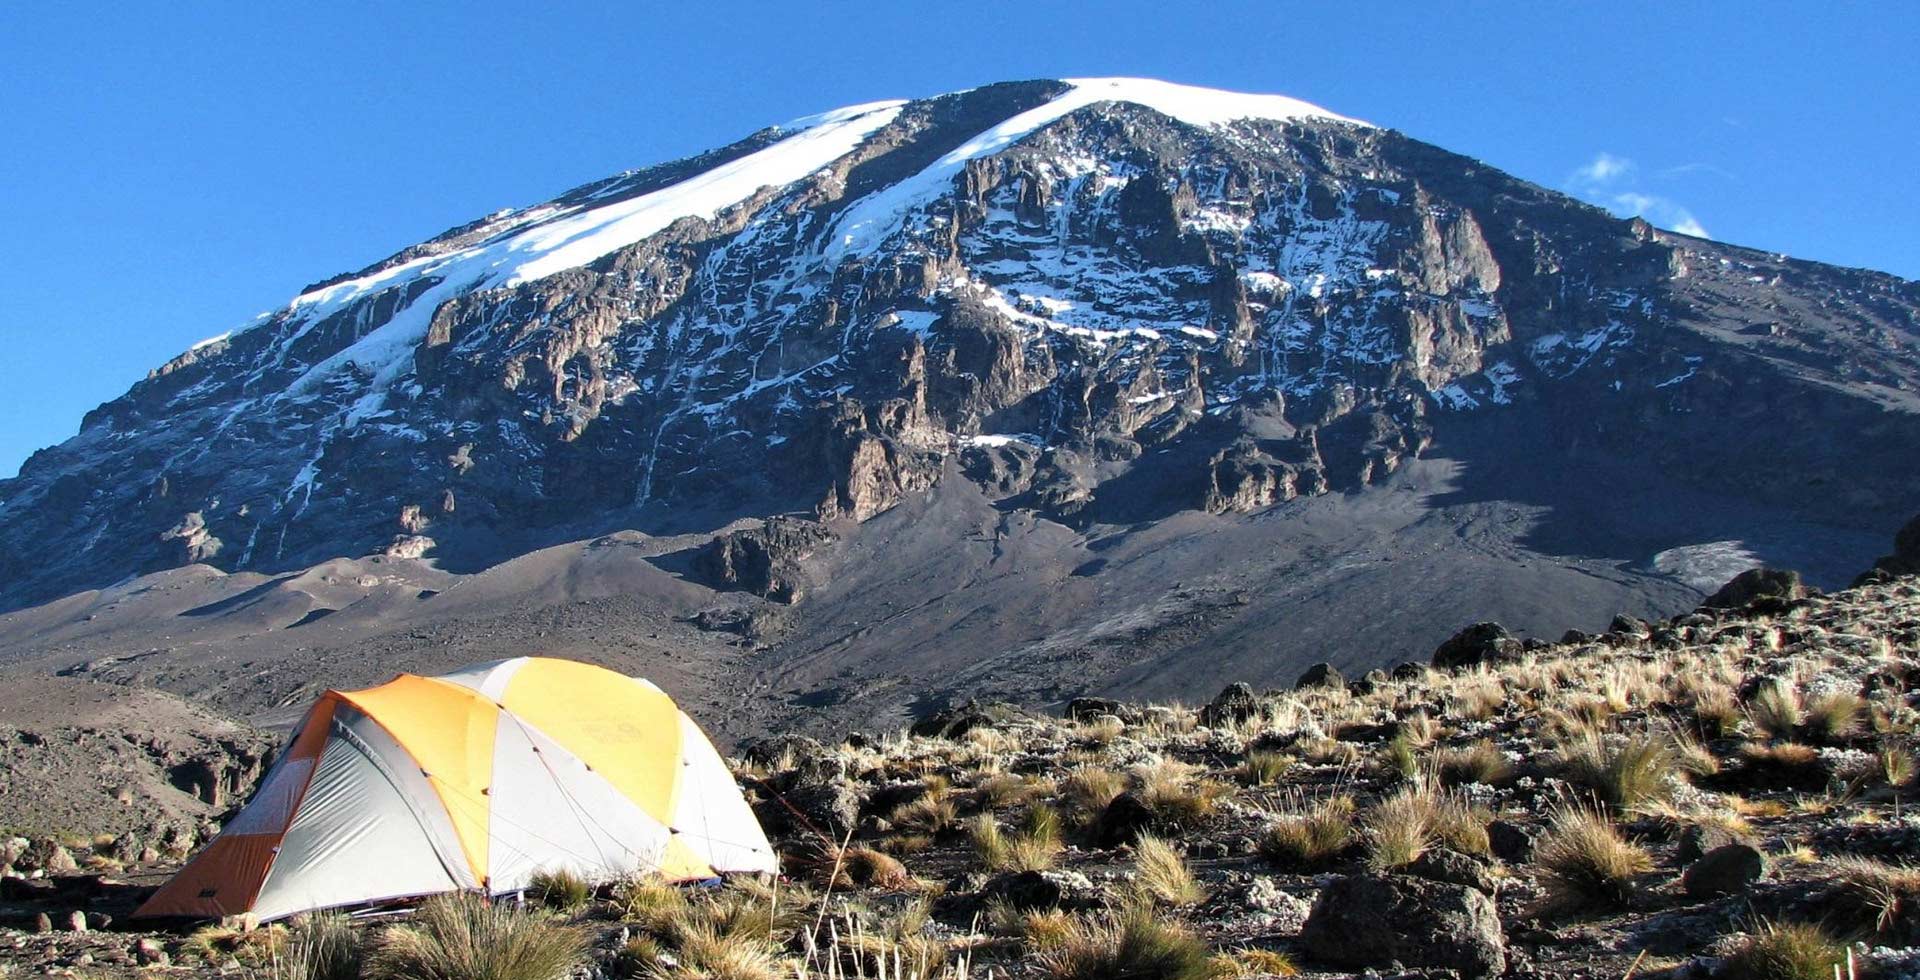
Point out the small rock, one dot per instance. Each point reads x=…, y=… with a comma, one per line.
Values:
x=1123, y=820
x=1633, y=626
x=1289, y=911
x=1445, y=864
x=1320, y=675
x=1481, y=643
x=42, y=923
x=1236, y=703
x=1087, y=709
x=1025, y=890
x=76, y=921
x=1726, y=870
x=149, y=952
x=1512, y=842
x=1697, y=839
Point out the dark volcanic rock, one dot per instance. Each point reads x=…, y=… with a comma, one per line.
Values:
x=1481, y=643
x=764, y=560
x=1374, y=920
x=1726, y=870
x=1757, y=583
x=1235, y=703
x=1320, y=675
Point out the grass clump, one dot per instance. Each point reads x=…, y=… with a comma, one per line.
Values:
x=320, y=946
x=461, y=936
x=1034, y=846
x=1877, y=897
x=1177, y=795
x=1253, y=963
x=1264, y=768
x=1479, y=762
x=1133, y=943
x=1310, y=835
x=1162, y=874
x=1585, y=863
x=1786, y=951
x=560, y=889
x=933, y=812
x=1775, y=709
x=1623, y=775
x=1403, y=826
x=1088, y=791
x=1834, y=716
x=253, y=948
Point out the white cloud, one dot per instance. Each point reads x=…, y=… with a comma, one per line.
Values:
x=1604, y=169
x=1612, y=182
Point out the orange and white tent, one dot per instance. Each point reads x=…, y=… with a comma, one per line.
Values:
x=475, y=780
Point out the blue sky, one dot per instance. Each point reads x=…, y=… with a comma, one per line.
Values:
x=168, y=171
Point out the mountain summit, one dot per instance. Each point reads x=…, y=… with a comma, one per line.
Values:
x=1105, y=321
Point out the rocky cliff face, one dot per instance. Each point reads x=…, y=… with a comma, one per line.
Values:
x=1103, y=301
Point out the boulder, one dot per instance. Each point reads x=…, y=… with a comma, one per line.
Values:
x=1744, y=589
x=1123, y=820
x=1726, y=870
x=1376, y=920
x=764, y=560
x=1320, y=675
x=1445, y=864
x=1481, y=643
x=1236, y=703
x=1026, y=890
x=957, y=721
x=1626, y=625
x=1087, y=709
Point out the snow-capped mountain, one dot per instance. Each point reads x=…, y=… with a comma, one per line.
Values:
x=1103, y=301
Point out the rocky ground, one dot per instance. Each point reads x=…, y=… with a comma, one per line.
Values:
x=1725, y=793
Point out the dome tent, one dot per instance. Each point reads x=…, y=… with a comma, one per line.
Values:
x=475, y=780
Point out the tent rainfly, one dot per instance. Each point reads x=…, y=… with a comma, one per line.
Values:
x=475, y=781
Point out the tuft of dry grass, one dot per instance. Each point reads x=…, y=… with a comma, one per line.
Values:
x=1309, y=835
x=461, y=936
x=1403, y=826
x=1133, y=943
x=560, y=889
x=1786, y=951
x=320, y=946
x=1776, y=710
x=1162, y=875
x=1253, y=963
x=1623, y=775
x=1877, y=897
x=1088, y=791
x=1716, y=714
x=1585, y=863
x=1477, y=762
x=1034, y=846
x=1178, y=796
x=217, y=943
x=1834, y=716
x=1264, y=768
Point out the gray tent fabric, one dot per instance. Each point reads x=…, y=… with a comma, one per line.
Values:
x=355, y=836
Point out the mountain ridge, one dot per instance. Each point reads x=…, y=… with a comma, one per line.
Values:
x=1046, y=320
